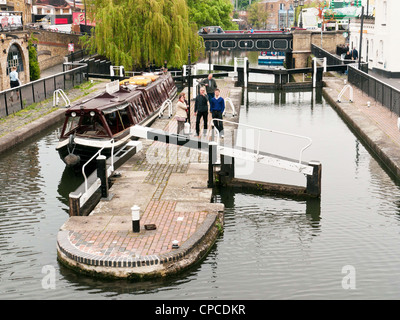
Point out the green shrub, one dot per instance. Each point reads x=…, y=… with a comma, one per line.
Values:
x=34, y=69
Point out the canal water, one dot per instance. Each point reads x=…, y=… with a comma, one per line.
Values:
x=343, y=246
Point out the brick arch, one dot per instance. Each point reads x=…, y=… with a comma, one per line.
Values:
x=23, y=50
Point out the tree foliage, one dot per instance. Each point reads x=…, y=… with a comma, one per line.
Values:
x=212, y=13
x=135, y=33
x=257, y=15
x=34, y=68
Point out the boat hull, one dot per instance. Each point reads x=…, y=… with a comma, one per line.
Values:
x=85, y=149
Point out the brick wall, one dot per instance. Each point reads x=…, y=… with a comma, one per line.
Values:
x=53, y=47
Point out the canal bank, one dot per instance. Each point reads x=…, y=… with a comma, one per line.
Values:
x=375, y=124
x=178, y=221
x=24, y=124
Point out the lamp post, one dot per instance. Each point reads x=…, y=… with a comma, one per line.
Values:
x=295, y=5
x=301, y=13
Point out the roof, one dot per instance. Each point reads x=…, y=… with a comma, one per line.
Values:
x=105, y=100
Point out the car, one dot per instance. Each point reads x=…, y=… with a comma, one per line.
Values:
x=211, y=29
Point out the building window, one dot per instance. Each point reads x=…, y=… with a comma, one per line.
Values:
x=14, y=59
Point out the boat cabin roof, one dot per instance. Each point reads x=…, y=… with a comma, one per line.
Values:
x=108, y=103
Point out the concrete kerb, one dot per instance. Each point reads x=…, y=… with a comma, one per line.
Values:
x=144, y=267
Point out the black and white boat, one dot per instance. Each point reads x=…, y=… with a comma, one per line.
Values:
x=104, y=121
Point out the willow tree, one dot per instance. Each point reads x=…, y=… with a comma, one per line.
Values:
x=135, y=33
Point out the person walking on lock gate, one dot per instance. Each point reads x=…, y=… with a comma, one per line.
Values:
x=210, y=85
x=354, y=54
x=201, y=110
x=217, y=107
x=181, y=113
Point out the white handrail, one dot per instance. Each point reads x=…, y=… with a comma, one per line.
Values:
x=166, y=103
x=63, y=95
x=272, y=131
x=229, y=100
x=95, y=155
x=343, y=91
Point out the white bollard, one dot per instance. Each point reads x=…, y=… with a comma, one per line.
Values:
x=135, y=218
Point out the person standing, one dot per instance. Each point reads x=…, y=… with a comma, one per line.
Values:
x=210, y=85
x=201, y=110
x=14, y=80
x=354, y=54
x=217, y=107
x=181, y=113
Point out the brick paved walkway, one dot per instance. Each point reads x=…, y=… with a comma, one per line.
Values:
x=170, y=184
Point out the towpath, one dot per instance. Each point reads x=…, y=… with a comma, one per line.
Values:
x=375, y=124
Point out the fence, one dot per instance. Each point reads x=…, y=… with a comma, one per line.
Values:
x=16, y=99
x=332, y=59
x=382, y=92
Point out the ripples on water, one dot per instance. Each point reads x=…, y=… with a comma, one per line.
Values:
x=271, y=248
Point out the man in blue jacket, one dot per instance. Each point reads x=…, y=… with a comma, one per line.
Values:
x=217, y=107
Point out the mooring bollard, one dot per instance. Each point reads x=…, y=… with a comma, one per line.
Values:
x=212, y=159
x=314, y=181
x=102, y=175
x=135, y=218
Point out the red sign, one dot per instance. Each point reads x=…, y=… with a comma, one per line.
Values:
x=61, y=21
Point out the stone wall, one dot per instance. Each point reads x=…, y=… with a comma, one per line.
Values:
x=302, y=41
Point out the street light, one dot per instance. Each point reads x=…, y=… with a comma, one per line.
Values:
x=295, y=5
x=300, y=3
x=301, y=13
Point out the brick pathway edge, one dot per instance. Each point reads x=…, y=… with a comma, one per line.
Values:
x=145, y=267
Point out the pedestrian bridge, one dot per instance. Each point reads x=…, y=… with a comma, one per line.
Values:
x=258, y=41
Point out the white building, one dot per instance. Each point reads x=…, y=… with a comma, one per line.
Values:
x=381, y=39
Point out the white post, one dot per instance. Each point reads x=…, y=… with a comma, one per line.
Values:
x=184, y=70
x=235, y=64
x=111, y=71
x=315, y=72
x=135, y=218
x=245, y=72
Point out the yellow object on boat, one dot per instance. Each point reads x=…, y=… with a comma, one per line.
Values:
x=151, y=76
x=138, y=80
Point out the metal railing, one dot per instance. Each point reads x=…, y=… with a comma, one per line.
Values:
x=259, y=130
x=166, y=104
x=382, y=92
x=16, y=99
x=332, y=59
x=89, y=191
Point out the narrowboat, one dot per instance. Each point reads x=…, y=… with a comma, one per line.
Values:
x=104, y=121
x=271, y=58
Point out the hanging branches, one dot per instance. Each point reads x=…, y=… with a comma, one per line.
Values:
x=135, y=33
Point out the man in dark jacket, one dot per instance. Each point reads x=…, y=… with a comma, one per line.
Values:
x=201, y=110
x=210, y=85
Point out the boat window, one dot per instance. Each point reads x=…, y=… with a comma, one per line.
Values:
x=137, y=113
x=91, y=126
x=71, y=125
x=118, y=120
